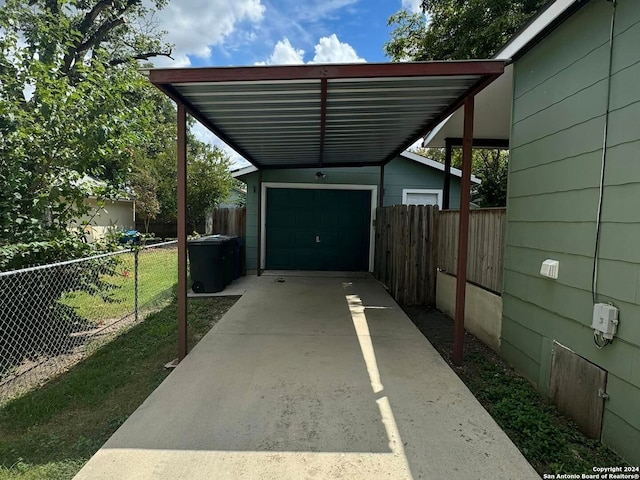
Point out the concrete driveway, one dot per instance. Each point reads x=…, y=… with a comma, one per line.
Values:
x=311, y=378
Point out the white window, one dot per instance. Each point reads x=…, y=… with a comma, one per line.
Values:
x=421, y=196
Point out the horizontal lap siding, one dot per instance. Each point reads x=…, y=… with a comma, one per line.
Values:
x=402, y=173
x=560, y=90
x=251, y=242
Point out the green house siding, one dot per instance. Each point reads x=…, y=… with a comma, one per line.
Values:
x=560, y=94
x=402, y=173
x=399, y=174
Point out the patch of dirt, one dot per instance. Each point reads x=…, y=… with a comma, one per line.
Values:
x=438, y=329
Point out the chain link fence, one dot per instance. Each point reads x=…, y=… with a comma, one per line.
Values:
x=52, y=316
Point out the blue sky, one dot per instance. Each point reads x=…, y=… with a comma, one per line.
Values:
x=272, y=32
x=246, y=32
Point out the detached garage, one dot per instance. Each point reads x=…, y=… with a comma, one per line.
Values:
x=325, y=219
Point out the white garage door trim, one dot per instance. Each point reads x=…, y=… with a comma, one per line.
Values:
x=314, y=186
x=407, y=191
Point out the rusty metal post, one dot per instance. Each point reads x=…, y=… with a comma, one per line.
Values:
x=182, y=231
x=381, y=191
x=260, y=232
x=446, y=189
x=463, y=232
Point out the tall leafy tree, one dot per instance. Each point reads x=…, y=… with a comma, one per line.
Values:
x=209, y=180
x=145, y=187
x=457, y=29
x=493, y=170
x=72, y=103
x=121, y=29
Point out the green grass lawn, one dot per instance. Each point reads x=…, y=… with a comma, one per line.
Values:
x=158, y=272
x=51, y=432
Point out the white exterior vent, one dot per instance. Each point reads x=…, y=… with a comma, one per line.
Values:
x=550, y=268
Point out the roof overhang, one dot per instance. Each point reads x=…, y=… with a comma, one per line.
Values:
x=491, y=117
x=492, y=113
x=325, y=115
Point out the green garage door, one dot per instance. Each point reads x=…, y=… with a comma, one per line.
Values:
x=318, y=229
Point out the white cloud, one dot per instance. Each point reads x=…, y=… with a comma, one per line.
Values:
x=331, y=50
x=194, y=26
x=312, y=11
x=412, y=5
x=284, y=54
x=328, y=50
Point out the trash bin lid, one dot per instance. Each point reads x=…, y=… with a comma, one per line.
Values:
x=210, y=240
x=230, y=238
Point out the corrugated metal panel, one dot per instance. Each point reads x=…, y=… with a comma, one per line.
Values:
x=324, y=120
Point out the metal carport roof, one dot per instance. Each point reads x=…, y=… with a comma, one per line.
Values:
x=324, y=115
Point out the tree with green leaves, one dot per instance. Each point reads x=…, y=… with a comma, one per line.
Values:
x=145, y=187
x=457, y=29
x=209, y=180
x=488, y=164
x=72, y=103
x=492, y=170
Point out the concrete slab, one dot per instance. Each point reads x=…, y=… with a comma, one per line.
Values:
x=313, y=377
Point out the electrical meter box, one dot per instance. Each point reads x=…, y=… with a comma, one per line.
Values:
x=605, y=319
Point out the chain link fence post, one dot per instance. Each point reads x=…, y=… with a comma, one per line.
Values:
x=136, y=267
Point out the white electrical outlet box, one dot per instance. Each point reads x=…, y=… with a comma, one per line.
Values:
x=550, y=268
x=605, y=319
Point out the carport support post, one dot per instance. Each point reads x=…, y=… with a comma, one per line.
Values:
x=463, y=232
x=381, y=190
x=446, y=189
x=260, y=232
x=182, y=231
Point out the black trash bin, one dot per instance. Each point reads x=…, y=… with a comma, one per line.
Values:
x=209, y=262
x=232, y=263
x=236, y=258
x=237, y=269
x=226, y=260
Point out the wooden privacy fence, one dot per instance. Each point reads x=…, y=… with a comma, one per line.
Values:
x=412, y=242
x=406, y=252
x=486, y=245
x=229, y=221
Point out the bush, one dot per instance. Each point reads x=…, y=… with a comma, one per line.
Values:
x=21, y=255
